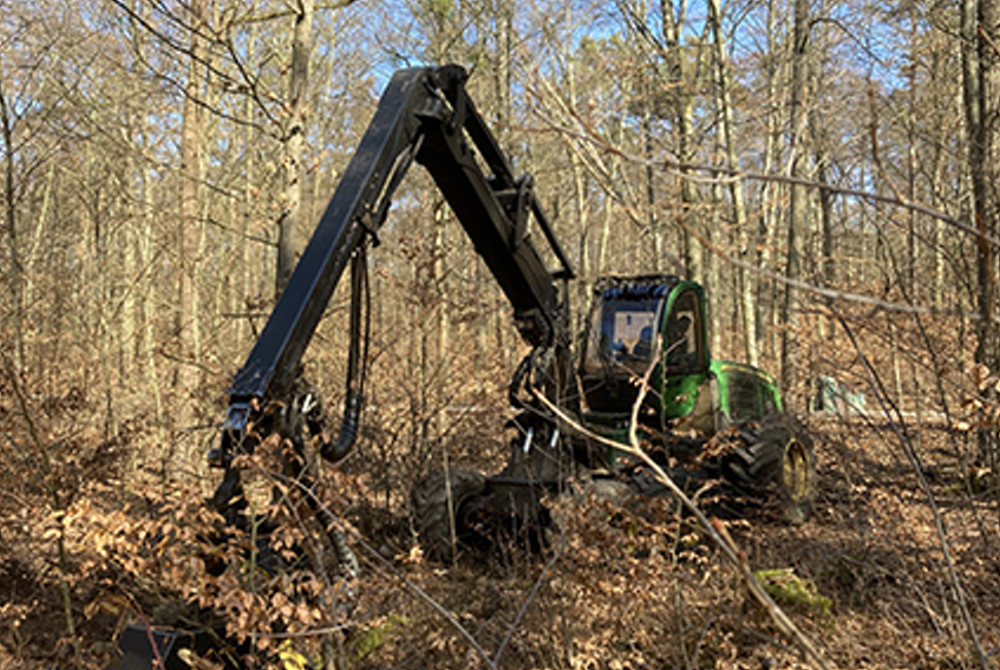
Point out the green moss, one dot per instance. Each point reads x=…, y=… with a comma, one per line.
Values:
x=790, y=590
x=977, y=482
x=375, y=637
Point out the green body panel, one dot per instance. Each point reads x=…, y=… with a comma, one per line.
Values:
x=744, y=392
x=680, y=394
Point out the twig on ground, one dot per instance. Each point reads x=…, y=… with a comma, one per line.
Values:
x=524, y=606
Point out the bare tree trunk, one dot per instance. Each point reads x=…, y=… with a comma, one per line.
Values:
x=607, y=218
x=981, y=79
x=747, y=288
x=10, y=223
x=938, y=178
x=653, y=249
x=439, y=251
x=31, y=260
x=293, y=140
x=988, y=349
x=247, y=284
x=791, y=355
x=586, y=272
x=693, y=253
x=187, y=232
x=684, y=87
x=150, y=290
x=943, y=117
x=128, y=339
x=826, y=273
x=912, y=250
x=770, y=191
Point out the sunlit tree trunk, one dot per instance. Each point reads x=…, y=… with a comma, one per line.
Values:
x=744, y=235
x=190, y=202
x=683, y=91
x=586, y=272
x=293, y=140
x=30, y=269
x=826, y=271
x=439, y=278
x=129, y=337
x=944, y=118
x=791, y=356
x=770, y=192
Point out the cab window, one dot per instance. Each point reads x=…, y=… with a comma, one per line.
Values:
x=684, y=335
x=622, y=334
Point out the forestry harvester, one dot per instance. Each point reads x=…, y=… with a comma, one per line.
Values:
x=651, y=326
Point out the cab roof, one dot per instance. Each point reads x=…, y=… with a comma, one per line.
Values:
x=637, y=286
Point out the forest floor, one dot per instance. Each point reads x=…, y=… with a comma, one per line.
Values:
x=866, y=579
x=878, y=592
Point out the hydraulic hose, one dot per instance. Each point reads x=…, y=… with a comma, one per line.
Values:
x=523, y=368
x=354, y=397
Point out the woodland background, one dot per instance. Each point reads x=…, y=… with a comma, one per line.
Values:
x=828, y=170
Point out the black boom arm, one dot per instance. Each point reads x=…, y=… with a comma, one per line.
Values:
x=424, y=114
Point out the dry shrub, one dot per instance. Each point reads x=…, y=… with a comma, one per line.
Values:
x=90, y=544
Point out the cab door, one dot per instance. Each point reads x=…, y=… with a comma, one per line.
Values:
x=684, y=382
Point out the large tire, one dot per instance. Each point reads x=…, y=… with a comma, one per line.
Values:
x=441, y=502
x=777, y=449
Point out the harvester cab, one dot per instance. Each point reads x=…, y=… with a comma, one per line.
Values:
x=653, y=321
x=653, y=326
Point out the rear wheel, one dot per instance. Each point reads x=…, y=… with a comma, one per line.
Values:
x=443, y=503
x=797, y=480
x=778, y=449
